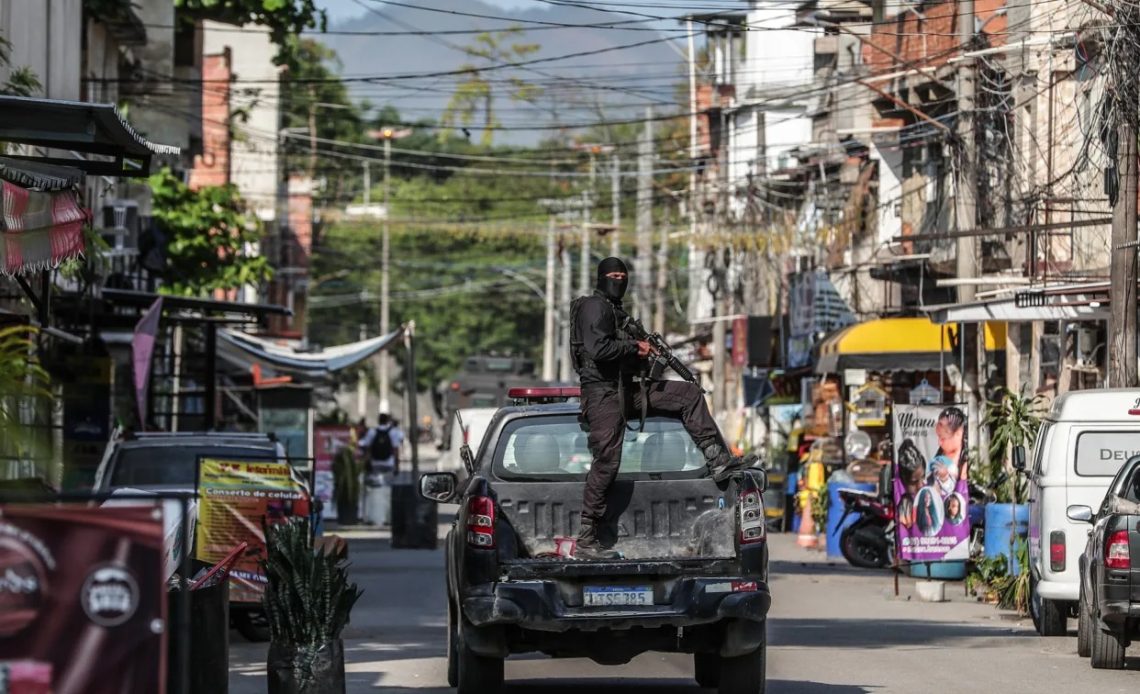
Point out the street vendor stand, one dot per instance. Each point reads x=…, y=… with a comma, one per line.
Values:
x=887, y=359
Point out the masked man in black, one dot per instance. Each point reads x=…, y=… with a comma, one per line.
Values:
x=606, y=361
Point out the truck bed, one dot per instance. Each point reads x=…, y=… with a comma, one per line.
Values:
x=659, y=520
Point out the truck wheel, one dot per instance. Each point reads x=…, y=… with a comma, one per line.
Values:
x=1084, y=629
x=707, y=669
x=1048, y=616
x=744, y=674
x=477, y=674
x=1107, y=652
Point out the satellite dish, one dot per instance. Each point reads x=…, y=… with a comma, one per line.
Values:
x=857, y=445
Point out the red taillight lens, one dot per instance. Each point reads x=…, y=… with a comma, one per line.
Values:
x=1116, y=554
x=481, y=522
x=751, y=516
x=1057, y=550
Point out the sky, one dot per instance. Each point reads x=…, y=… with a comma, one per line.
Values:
x=346, y=9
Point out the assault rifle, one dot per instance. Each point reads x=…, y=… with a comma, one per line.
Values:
x=661, y=355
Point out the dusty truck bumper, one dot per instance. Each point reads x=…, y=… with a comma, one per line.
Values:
x=549, y=606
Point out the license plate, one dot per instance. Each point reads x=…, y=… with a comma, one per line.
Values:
x=617, y=596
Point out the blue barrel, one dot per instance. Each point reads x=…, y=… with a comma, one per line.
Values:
x=945, y=570
x=1005, y=524
x=835, y=510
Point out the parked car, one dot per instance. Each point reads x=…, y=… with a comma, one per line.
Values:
x=1084, y=440
x=693, y=571
x=1109, y=610
x=165, y=461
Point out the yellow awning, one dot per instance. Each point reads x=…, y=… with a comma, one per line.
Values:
x=889, y=344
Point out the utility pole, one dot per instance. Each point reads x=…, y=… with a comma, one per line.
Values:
x=367, y=183
x=312, y=131
x=584, y=283
x=696, y=257
x=385, y=276
x=386, y=134
x=644, y=230
x=564, y=323
x=1122, y=369
x=966, y=215
x=662, y=281
x=549, y=327
x=615, y=195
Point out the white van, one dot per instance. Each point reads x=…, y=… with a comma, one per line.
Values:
x=475, y=423
x=1083, y=441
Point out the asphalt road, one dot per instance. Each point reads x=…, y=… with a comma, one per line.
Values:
x=833, y=630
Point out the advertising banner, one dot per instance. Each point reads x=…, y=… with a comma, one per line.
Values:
x=931, y=493
x=237, y=498
x=329, y=440
x=82, y=599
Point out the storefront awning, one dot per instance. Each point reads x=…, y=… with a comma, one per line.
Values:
x=1068, y=304
x=895, y=344
x=79, y=126
x=244, y=348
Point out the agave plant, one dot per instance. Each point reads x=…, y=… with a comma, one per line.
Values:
x=24, y=384
x=309, y=598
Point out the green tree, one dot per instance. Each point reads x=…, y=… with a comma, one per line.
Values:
x=208, y=233
x=285, y=19
x=24, y=385
x=21, y=81
x=476, y=92
x=319, y=105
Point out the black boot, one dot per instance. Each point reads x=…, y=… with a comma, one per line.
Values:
x=589, y=547
x=722, y=464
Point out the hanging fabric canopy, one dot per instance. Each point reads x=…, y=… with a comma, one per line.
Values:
x=247, y=350
x=896, y=344
x=39, y=229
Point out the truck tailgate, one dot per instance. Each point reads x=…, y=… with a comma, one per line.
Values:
x=653, y=519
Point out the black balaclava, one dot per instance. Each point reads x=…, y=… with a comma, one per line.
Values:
x=613, y=289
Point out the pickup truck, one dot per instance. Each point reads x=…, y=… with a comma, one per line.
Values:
x=693, y=567
x=1108, y=612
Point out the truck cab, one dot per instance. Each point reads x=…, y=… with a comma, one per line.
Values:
x=693, y=566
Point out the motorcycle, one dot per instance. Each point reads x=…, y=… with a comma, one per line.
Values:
x=869, y=542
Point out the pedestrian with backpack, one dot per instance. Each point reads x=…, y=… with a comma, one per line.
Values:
x=379, y=448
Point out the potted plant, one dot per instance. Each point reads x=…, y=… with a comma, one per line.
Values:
x=308, y=601
x=1013, y=422
x=346, y=483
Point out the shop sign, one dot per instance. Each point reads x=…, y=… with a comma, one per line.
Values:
x=931, y=493
x=329, y=439
x=237, y=499
x=82, y=599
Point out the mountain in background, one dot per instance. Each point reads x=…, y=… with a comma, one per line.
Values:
x=612, y=85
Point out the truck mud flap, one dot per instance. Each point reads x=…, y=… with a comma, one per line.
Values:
x=741, y=637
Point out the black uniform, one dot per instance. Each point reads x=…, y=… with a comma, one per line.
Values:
x=606, y=360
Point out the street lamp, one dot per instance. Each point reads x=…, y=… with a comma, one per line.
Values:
x=386, y=134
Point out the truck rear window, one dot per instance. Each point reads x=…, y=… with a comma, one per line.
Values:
x=1102, y=453
x=555, y=446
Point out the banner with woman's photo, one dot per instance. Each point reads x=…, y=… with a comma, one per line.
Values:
x=930, y=489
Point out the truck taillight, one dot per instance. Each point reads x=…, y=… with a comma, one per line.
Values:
x=481, y=522
x=1116, y=554
x=751, y=516
x=1057, y=551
